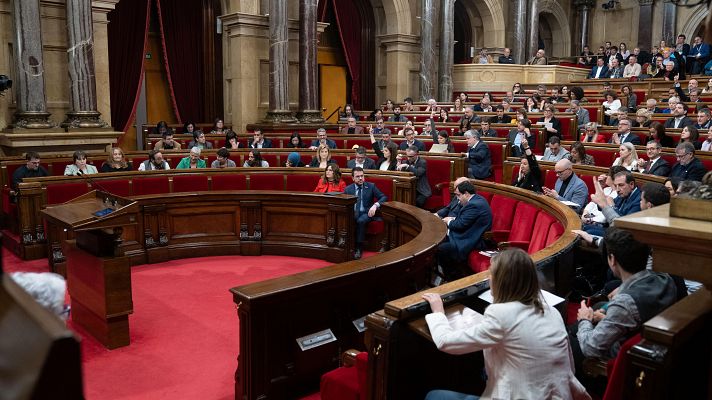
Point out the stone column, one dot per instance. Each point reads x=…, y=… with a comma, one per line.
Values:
x=427, y=50
x=447, y=41
x=29, y=79
x=80, y=60
x=519, y=31
x=669, y=15
x=534, y=30
x=308, y=87
x=645, y=23
x=584, y=7
x=278, y=64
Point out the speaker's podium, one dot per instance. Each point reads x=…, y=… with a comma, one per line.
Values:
x=98, y=273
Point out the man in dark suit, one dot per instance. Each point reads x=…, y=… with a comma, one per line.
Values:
x=616, y=70
x=410, y=140
x=465, y=230
x=624, y=134
x=506, y=57
x=478, y=155
x=368, y=199
x=453, y=208
x=516, y=136
x=360, y=160
x=419, y=168
x=351, y=127
x=655, y=165
x=322, y=139
x=259, y=141
x=582, y=115
x=486, y=130
x=599, y=71
x=688, y=167
x=679, y=117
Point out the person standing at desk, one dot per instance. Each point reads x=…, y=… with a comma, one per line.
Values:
x=524, y=340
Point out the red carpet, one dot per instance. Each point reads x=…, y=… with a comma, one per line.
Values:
x=184, y=341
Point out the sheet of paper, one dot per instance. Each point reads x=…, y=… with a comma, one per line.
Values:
x=550, y=298
x=464, y=319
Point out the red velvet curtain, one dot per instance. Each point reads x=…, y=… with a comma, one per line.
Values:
x=182, y=39
x=128, y=31
x=349, y=27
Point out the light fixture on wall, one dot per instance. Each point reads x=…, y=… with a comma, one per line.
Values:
x=609, y=5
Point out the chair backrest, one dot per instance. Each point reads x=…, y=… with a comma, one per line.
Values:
x=57, y=194
x=190, y=183
x=523, y=222
x=229, y=182
x=504, y=212
x=617, y=370
x=146, y=186
x=540, y=233
x=266, y=182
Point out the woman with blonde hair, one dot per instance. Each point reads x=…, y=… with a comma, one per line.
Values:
x=627, y=157
x=591, y=134
x=331, y=180
x=322, y=158
x=524, y=341
x=116, y=162
x=642, y=117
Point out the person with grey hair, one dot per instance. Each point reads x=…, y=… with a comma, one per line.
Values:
x=192, y=161
x=321, y=138
x=688, y=167
x=478, y=156
x=418, y=166
x=47, y=288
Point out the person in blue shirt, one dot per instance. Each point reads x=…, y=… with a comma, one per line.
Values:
x=627, y=202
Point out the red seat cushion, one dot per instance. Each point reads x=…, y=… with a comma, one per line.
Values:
x=340, y=160
x=271, y=159
x=229, y=182
x=523, y=223
x=540, y=232
x=119, y=187
x=146, y=186
x=375, y=227
x=617, y=370
x=266, y=182
x=340, y=384
x=487, y=196
x=555, y=232
x=302, y=183
x=190, y=183
x=385, y=185
x=550, y=178
x=439, y=171
x=63, y=192
x=588, y=180
x=478, y=262
x=502, y=212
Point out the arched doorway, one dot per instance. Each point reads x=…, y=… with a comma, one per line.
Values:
x=462, y=34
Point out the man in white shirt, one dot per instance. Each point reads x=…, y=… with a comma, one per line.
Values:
x=600, y=70
x=633, y=68
x=679, y=117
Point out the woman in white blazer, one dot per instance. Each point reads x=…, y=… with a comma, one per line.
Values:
x=526, y=348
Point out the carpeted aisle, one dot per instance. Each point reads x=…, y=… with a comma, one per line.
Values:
x=184, y=330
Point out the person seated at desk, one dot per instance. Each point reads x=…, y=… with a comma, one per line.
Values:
x=418, y=166
x=189, y=128
x=410, y=140
x=387, y=153
x=365, y=207
x=519, y=135
x=465, y=232
x=331, y=180
x=554, y=152
x=31, y=169
x=627, y=157
x=259, y=141
x=524, y=341
x=295, y=141
x=199, y=141
x=351, y=128
x=322, y=139
x=444, y=144
x=322, y=157
x=167, y=142
x=80, y=166
x=155, y=162
x=361, y=160
x=294, y=160
x=569, y=187
x=453, y=208
x=529, y=172
x=231, y=141
x=254, y=159
x=642, y=295
x=577, y=155
x=219, y=127
x=116, y=162
x=192, y=161
x=223, y=160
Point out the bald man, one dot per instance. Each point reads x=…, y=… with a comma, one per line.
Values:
x=569, y=187
x=451, y=209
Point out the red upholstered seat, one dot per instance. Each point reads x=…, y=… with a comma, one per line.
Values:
x=302, y=183
x=555, y=232
x=522, y=224
x=497, y=155
x=64, y=192
x=266, y=182
x=229, y=182
x=617, y=370
x=119, y=187
x=346, y=383
x=385, y=185
x=602, y=158
x=502, y=213
x=459, y=146
x=172, y=159
x=355, y=141
x=439, y=176
x=146, y=186
x=487, y=196
x=190, y=183
x=340, y=160
x=550, y=179
x=375, y=227
x=478, y=262
x=540, y=232
x=588, y=180
x=271, y=159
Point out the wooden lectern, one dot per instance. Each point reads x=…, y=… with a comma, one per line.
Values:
x=98, y=273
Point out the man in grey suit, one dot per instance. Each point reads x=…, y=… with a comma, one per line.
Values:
x=417, y=166
x=569, y=187
x=360, y=160
x=582, y=115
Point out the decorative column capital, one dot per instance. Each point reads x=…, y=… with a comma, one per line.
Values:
x=584, y=3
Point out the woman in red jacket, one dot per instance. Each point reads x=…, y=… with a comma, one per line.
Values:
x=331, y=180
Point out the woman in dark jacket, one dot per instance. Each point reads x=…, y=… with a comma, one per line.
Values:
x=387, y=157
x=529, y=173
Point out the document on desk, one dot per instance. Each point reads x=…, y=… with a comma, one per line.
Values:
x=550, y=298
x=463, y=318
